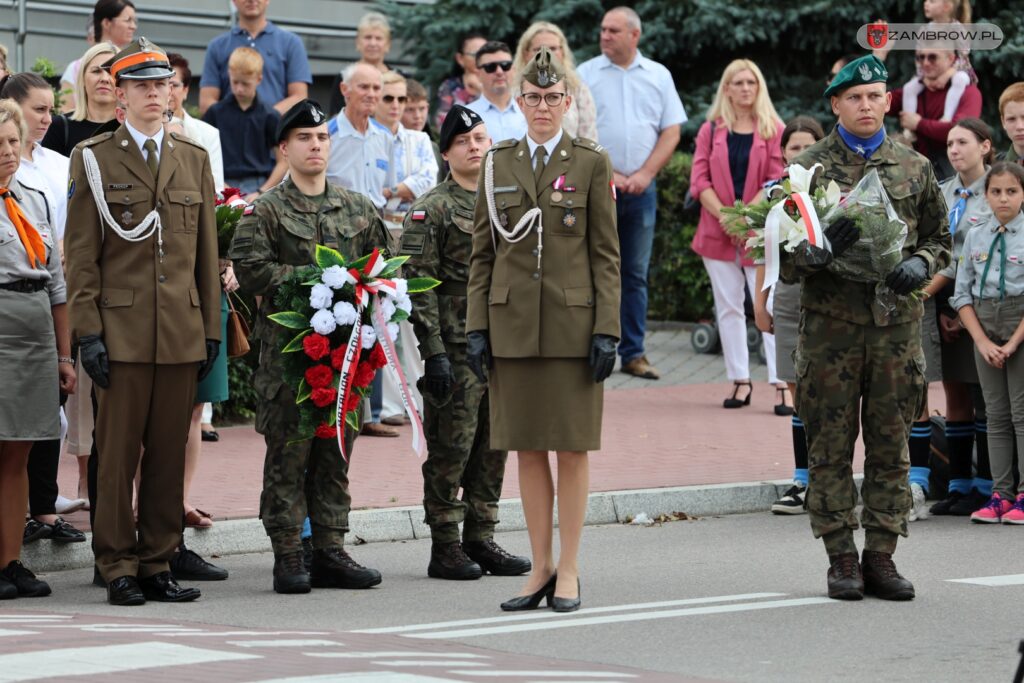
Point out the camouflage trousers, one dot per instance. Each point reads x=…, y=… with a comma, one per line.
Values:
x=459, y=455
x=299, y=479
x=850, y=375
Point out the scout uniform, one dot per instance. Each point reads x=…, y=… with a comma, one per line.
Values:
x=856, y=356
x=144, y=293
x=279, y=233
x=437, y=237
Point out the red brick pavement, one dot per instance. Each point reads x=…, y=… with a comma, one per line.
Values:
x=654, y=437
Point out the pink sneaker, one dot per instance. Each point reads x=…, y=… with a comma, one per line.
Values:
x=993, y=510
x=1015, y=515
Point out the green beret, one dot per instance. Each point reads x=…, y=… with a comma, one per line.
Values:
x=861, y=71
x=544, y=70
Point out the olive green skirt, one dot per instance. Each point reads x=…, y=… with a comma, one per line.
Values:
x=545, y=404
x=30, y=404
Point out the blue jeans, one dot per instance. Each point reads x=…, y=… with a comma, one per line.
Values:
x=636, y=214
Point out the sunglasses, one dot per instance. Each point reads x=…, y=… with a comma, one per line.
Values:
x=491, y=67
x=552, y=99
x=388, y=99
x=931, y=57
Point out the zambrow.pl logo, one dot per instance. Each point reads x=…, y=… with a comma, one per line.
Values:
x=879, y=34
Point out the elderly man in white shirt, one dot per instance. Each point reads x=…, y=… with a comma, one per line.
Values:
x=360, y=156
x=206, y=135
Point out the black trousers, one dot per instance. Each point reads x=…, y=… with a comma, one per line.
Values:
x=43, y=460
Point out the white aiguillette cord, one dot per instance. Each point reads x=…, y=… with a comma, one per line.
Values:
x=531, y=218
x=148, y=225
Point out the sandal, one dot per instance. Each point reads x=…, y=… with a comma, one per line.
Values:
x=783, y=409
x=197, y=519
x=733, y=402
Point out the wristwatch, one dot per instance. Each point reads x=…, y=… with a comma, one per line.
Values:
x=65, y=359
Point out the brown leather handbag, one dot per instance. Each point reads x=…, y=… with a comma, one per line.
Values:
x=238, y=332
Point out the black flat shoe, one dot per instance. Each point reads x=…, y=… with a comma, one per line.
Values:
x=35, y=530
x=567, y=604
x=124, y=591
x=24, y=581
x=528, y=602
x=782, y=409
x=210, y=435
x=65, y=533
x=163, y=588
x=187, y=565
x=733, y=402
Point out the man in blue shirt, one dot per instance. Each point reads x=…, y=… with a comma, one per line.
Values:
x=496, y=106
x=638, y=119
x=286, y=73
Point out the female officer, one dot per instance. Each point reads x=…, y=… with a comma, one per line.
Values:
x=544, y=304
x=35, y=349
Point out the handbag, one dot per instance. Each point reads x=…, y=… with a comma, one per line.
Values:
x=691, y=205
x=238, y=332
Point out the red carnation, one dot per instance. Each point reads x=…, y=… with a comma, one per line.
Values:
x=377, y=357
x=352, y=402
x=338, y=358
x=324, y=397
x=363, y=375
x=319, y=376
x=316, y=346
x=326, y=431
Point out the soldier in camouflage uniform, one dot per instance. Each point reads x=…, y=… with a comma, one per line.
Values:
x=437, y=238
x=279, y=232
x=853, y=354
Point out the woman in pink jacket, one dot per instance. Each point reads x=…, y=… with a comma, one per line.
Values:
x=738, y=151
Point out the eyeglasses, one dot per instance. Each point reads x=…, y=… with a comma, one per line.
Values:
x=552, y=99
x=491, y=67
x=930, y=57
x=388, y=99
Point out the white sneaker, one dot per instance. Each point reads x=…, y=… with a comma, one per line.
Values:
x=66, y=506
x=920, y=509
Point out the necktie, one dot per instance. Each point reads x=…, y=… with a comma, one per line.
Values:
x=1000, y=243
x=538, y=169
x=957, y=212
x=29, y=236
x=150, y=146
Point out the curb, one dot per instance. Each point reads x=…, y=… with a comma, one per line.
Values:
x=237, y=536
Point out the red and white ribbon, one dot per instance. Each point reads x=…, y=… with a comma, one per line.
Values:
x=391, y=353
x=348, y=371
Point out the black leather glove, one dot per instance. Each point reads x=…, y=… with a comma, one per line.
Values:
x=95, y=360
x=908, y=275
x=478, y=353
x=439, y=376
x=602, y=356
x=842, y=235
x=212, y=348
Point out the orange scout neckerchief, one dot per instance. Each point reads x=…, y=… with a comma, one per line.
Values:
x=30, y=238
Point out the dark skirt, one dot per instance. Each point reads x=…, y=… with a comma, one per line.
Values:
x=29, y=384
x=545, y=404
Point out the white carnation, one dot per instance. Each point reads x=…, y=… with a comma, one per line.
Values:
x=336, y=277
x=323, y=322
x=404, y=303
x=320, y=296
x=401, y=286
x=345, y=313
x=393, y=330
x=387, y=307
x=369, y=337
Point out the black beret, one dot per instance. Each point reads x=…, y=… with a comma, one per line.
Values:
x=303, y=114
x=457, y=121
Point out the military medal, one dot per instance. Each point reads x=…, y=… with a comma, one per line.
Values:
x=503, y=218
x=126, y=216
x=556, y=196
x=569, y=219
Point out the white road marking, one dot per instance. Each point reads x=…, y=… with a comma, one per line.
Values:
x=1005, y=580
x=285, y=643
x=435, y=663
x=364, y=677
x=545, y=614
x=88, y=661
x=622, y=618
x=604, y=675
x=10, y=632
x=404, y=653
x=253, y=633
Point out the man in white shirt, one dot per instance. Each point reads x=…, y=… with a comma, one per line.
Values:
x=496, y=106
x=360, y=152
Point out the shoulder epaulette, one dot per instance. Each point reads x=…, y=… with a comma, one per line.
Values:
x=504, y=144
x=95, y=140
x=185, y=138
x=587, y=143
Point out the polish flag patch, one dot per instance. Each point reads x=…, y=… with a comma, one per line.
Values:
x=419, y=215
x=248, y=210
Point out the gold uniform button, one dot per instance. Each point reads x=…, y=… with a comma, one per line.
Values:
x=188, y=200
x=569, y=202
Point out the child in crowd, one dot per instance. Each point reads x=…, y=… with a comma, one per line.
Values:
x=990, y=300
x=952, y=14
x=248, y=128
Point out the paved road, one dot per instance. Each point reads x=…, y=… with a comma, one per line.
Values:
x=736, y=598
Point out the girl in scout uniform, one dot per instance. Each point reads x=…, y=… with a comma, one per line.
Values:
x=990, y=299
x=35, y=347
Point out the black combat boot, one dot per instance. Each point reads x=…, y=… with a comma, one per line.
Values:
x=307, y=554
x=290, y=576
x=333, y=568
x=881, y=578
x=448, y=561
x=844, y=578
x=495, y=559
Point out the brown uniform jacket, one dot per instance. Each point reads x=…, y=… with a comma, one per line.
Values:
x=551, y=312
x=146, y=310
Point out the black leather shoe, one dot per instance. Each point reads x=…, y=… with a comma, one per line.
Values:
x=881, y=578
x=495, y=559
x=187, y=565
x=528, y=602
x=8, y=591
x=333, y=568
x=844, y=577
x=25, y=582
x=163, y=588
x=567, y=604
x=448, y=561
x=34, y=531
x=65, y=533
x=290, y=575
x=124, y=591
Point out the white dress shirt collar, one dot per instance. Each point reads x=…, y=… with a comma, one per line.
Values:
x=549, y=146
x=140, y=139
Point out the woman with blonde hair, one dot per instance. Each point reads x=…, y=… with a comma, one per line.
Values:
x=94, y=98
x=738, y=151
x=581, y=119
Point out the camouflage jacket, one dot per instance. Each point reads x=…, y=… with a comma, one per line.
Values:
x=910, y=183
x=281, y=233
x=438, y=238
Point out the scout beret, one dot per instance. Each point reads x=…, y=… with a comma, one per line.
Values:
x=459, y=120
x=544, y=70
x=303, y=114
x=861, y=71
x=139, y=61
